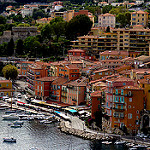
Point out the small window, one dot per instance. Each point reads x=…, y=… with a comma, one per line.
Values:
x=129, y=116
x=129, y=106
x=137, y=111
x=130, y=99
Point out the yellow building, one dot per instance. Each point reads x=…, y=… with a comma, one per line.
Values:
x=69, y=14
x=5, y=88
x=145, y=84
x=134, y=40
x=139, y=18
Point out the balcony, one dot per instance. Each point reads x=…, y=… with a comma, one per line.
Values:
x=118, y=109
x=120, y=117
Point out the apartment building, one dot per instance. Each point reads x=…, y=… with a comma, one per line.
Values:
x=105, y=20
x=56, y=88
x=69, y=71
x=69, y=14
x=134, y=40
x=113, y=55
x=112, y=87
x=35, y=71
x=43, y=87
x=95, y=44
x=128, y=102
x=139, y=18
x=22, y=67
x=96, y=98
x=98, y=74
x=76, y=92
x=6, y=88
x=145, y=84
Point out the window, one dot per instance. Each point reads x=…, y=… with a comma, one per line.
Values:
x=100, y=73
x=58, y=87
x=137, y=111
x=129, y=106
x=116, y=106
x=7, y=85
x=130, y=99
x=116, y=91
x=121, y=92
x=133, y=15
x=129, y=116
x=122, y=99
x=0, y=85
x=121, y=106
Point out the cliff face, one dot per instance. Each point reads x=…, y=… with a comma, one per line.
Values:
x=18, y=33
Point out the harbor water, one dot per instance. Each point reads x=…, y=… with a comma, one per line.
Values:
x=45, y=137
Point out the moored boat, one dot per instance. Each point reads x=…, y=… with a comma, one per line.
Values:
x=10, y=117
x=18, y=122
x=16, y=126
x=10, y=140
x=106, y=142
x=120, y=142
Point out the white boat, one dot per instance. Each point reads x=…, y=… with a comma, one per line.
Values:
x=46, y=122
x=10, y=111
x=120, y=142
x=139, y=146
x=132, y=148
x=106, y=142
x=16, y=126
x=18, y=122
x=10, y=140
x=130, y=144
x=10, y=117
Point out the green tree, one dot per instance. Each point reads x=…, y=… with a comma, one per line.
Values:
x=106, y=9
x=23, y=25
x=78, y=26
x=117, y=10
x=58, y=28
x=2, y=20
x=108, y=29
x=37, y=13
x=123, y=19
x=10, y=72
x=46, y=31
x=10, y=47
x=19, y=47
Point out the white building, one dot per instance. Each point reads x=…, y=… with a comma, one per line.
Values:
x=105, y=20
x=139, y=2
x=26, y=12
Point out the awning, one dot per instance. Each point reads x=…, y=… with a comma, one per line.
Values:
x=73, y=111
x=20, y=102
x=57, y=112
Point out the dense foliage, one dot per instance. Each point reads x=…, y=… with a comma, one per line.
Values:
x=10, y=72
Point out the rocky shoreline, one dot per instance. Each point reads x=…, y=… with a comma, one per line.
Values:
x=96, y=136
x=84, y=134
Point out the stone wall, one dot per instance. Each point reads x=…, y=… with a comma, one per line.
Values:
x=18, y=33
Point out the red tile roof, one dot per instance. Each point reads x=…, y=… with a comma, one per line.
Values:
x=47, y=79
x=60, y=81
x=115, y=53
